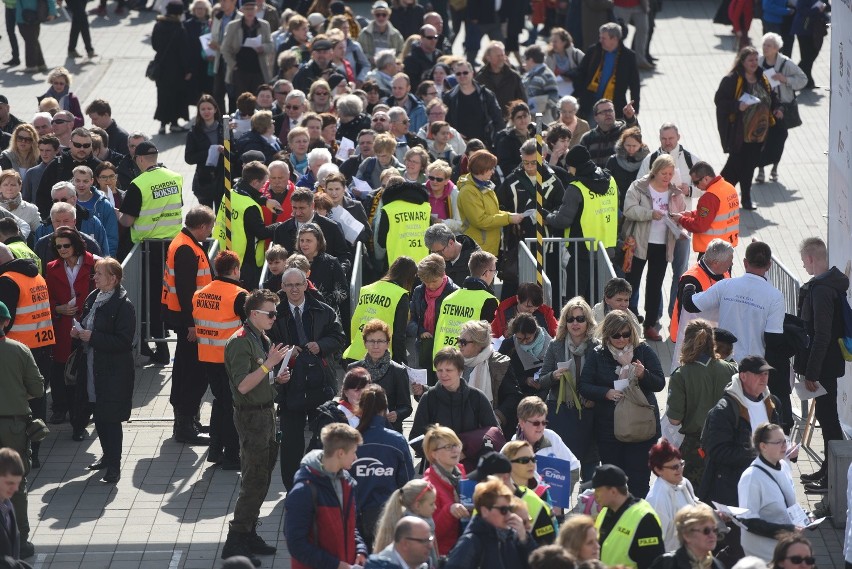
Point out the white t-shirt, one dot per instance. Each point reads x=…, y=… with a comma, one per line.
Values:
x=658, y=226
x=765, y=498
x=748, y=306
x=756, y=413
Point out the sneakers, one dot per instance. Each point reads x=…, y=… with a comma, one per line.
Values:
x=237, y=544
x=818, y=487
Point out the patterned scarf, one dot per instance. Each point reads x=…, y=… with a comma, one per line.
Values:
x=595, y=83
x=379, y=367
x=11, y=204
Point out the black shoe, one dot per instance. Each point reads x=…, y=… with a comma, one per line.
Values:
x=35, y=462
x=813, y=477
x=185, y=432
x=818, y=487
x=748, y=207
x=236, y=544
x=99, y=465
x=232, y=464
x=113, y=475
x=12, y=62
x=78, y=436
x=198, y=426
x=257, y=545
x=146, y=350
x=27, y=549
x=161, y=356
x=57, y=418
x=215, y=454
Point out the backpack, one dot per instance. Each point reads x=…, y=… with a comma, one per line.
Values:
x=326, y=414
x=634, y=417
x=845, y=339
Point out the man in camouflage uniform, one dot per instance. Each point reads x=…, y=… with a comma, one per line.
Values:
x=249, y=360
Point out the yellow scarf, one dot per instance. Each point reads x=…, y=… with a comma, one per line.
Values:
x=594, y=84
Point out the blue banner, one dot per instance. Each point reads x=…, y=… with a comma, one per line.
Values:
x=556, y=473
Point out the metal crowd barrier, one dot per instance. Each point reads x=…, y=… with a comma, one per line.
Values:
x=598, y=270
x=132, y=281
x=789, y=285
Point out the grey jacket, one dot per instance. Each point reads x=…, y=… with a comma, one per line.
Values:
x=639, y=210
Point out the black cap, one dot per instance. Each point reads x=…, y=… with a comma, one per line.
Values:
x=754, y=364
x=577, y=156
x=722, y=335
x=321, y=45
x=146, y=148
x=335, y=79
x=4, y=100
x=251, y=156
x=490, y=463
x=608, y=474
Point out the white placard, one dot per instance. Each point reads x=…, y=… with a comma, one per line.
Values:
x=563, y=365
x=773, y=82
x=361, y=187
x=803, y=393
x=676, y=229
x=416, y=375
x=530, y=213
x=212, y=155
x=345, y=149
x=76, y=325
x=798, y=516
x=205, y=45
x=749, y=99
x=731, y=511
x=352, y=228
x=286, y=359
x=253, y=43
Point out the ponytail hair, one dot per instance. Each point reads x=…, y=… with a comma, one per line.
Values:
x=697, y=342
x=401, y=500
x=373, y=402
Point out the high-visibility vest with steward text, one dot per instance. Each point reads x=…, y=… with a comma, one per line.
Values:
x=407, y=224
x=615, y=550
x=599, y=219
x=160, y=215
x=461, y=306
x=202, y=277
x=726, y=224
x=377, y=300
x=215, y=319
x=33, y=325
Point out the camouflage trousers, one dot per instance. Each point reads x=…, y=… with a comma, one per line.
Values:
x=258, y=453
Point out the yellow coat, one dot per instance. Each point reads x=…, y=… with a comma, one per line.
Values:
x=481, y=215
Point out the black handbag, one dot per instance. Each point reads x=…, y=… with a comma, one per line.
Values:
x=792, y=118
x=152, y=72
x=72, y=366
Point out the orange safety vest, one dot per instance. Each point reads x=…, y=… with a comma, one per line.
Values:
x=215, y=319
x=726, y=224
x=202, y=278
x=33, y=325
x=704, y=281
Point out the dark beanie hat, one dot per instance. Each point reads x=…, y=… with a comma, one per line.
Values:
x=577, y=156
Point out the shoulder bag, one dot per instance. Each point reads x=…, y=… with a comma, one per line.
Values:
x=792, y=118
x=635, y=421
x=153, y=70
x=72, y=366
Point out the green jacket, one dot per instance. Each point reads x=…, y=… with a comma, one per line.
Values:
x=244, y=354
x=20, y=379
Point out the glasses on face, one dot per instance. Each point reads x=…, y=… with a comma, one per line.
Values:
x=453, y=446
x=321, y=93
x=293, y=107
x=421, y=540
x=524, y=460
x=606, y=112
x=436, y=179
x=81, y=144
x=674, y=467
x=25, y=139
x=282, y=93
x=375, y=342
x=270, y=314
x=537, y=423
x=579, y=319
x=429, y=37
x=380, y=15
x=462, y=73
x=107, y=177
x=504, y=509
x=622, y=336
x=529, y=162
x=708, y=530
x=59, y=121
x=293, y=285
x=61, y=246
x=380, y=119
x=462, y=342
x=799, y=559
x=781, y=442
x=55, y=200
x=405, y=121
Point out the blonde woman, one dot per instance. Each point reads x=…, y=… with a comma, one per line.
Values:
x=579, y=537
x=10, y=199
x=443, y=195
x=415, y=160
x=22, y=153
x=319, y=97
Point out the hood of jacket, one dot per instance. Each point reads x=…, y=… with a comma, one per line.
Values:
x=474, y=283
x=26, y=267
x=406, y=191
x=311, y=469
x=630, y=163
x=735, y=390
x=593, y=177
x=833, y=278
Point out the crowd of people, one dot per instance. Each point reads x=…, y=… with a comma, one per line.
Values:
x=369, y=146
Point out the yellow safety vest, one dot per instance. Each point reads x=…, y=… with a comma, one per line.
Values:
x=537, y=508
x=240, y=203
x=33, y=324
x=461, y=306
x=202, y=277
x=20, y=250
x=377, y=300
x=615, y=550
x=600, y=214
x=160, y=215
x=407, y=224
x=215, y=319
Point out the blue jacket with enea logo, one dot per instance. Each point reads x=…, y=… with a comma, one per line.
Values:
x=383, y=465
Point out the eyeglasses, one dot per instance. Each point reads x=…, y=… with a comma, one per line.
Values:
x=432, y=94
x=61, y=246
x=380, y=119
x=375, y=342
x=436, y=179
x=24, y=139
x=606, y=112
x=429, y=37
x=281, y=92
x=674, y=467
x=271, y=314
x=579, y=319
x=450, y=447
x=537, y=423
x=504, y=509
x=799, y=559
x=529, y=162
x=406, y=121
x=380, y=15
x=293, y=285
x=622, y=336
x=55, y=200
x=422, y=540
x=463, y=73
x=705, y=530
x=60, y=121
x=293, y=107
x=81, y=144
x=107, y=177
x=321, y=93
x=781, y=442
x=462, y=342
x=524, y=460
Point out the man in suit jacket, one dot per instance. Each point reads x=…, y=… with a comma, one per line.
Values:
x=303, y=212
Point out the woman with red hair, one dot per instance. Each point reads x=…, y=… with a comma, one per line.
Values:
x=670, y=491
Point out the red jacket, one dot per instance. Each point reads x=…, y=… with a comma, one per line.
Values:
x=447, y=526
x=60, y=293
x=508, y=309
x=286, y=207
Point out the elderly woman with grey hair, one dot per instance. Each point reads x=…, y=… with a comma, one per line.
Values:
x=350, y=111
x=786, y=78
x=491, y=372
x=316, y=159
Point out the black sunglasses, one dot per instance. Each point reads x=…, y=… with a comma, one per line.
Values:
x=60, y=246
x=81, y=144
x=429, y=37
x=436, y=179
x=797, y=559
x=60, y=121
x=707, y=531
x=524, y=460
x=271, y=314
x=622, y=336
x=55, y=200
x=504, y=509
x=572, y=319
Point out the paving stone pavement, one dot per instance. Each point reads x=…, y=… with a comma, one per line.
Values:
x=171, y=507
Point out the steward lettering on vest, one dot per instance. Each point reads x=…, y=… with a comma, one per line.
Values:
x=376, y=301
x=599, y=219
x=407, y=223
x=410, y=216
x=465, y=311
x=459, y=307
